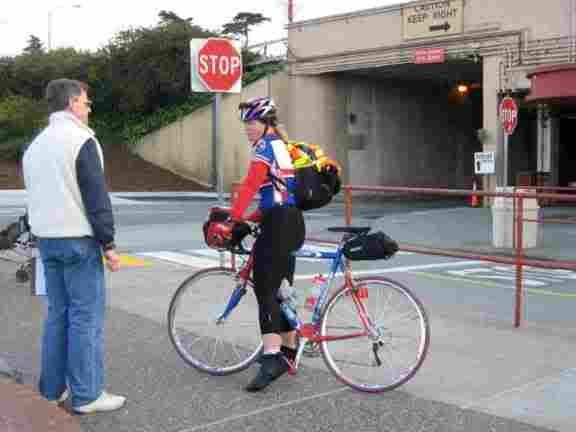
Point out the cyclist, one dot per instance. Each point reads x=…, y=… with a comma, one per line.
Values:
x=282, y=232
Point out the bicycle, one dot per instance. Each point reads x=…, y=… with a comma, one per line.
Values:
x=218, y=332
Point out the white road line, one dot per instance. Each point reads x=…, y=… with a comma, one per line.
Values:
x=215, y=254
x=211, y=253
x=263, y=410
x=319, y=215
x=213, y=260
x=180, y=258
x=131, y=211
x=13, y=211
x=534, y=385
x=398, y=269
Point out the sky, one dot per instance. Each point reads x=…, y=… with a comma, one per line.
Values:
x=92, y=24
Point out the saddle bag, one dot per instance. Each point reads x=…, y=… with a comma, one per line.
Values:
x=367, y=247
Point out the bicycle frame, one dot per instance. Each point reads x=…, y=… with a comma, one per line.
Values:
x=310, y=331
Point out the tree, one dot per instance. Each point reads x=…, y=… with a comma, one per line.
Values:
x=169, y=17
x=34, y=46
x=145, y=69
x=20, y=119
x=242, y=23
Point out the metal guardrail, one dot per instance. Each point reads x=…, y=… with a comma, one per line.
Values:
x=519, y=260
x=270, y=51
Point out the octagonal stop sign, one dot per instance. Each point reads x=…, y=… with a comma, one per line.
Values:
x=508, y=115
x=219, y=65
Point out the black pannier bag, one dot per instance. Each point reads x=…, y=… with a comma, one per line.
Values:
x=373, y=246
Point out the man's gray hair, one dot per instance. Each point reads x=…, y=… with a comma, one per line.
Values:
x=60, y=91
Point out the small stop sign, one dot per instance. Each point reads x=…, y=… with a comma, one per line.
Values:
x=219, y=65
x=508, y=115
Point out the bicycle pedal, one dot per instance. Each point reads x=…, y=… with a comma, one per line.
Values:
x=291, y=367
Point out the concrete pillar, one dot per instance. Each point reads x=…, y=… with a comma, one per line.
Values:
x=493, y=133
x=313, y=112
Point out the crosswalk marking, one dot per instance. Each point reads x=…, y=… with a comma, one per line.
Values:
x=205, y=257
x=181, y=258
x=19, y=211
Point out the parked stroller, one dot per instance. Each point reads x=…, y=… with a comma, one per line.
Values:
x=17, y=245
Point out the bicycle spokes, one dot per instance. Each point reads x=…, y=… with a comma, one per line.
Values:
x=375, y=343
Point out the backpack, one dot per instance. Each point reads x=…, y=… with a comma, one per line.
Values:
x=317, y=177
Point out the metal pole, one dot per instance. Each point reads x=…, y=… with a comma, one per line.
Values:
x=214, y=173
x=218, y=160
x=290, y=11
x=348, y=206
x=519, y=257
x=50, y=31
x=217, y=153
x=505, y=155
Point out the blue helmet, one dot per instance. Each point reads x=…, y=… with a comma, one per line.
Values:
x=259, y=108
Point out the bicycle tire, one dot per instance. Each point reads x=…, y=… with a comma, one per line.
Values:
x=347, y=363
x=192, y=318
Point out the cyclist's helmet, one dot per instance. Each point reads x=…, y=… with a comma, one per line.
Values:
x=260, y=108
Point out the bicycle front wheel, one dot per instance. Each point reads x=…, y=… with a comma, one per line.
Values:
x=380, y=341
x=206, y=342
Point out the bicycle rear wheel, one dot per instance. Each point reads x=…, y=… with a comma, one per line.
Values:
x=390, y=351
x=218, y=347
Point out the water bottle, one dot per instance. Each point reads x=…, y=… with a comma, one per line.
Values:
x=314, y=292
x=288, y=304
x=290, y=314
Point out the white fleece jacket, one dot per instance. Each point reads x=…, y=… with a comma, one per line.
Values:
x=55, y=203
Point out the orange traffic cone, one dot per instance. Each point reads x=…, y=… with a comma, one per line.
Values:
x=474, y=199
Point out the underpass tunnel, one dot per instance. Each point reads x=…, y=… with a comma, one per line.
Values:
x=411, y=124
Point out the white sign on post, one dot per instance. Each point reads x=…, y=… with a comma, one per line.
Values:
x=434, y=18
x=484, y=163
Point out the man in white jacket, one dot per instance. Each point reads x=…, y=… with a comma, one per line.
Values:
x=71, y=215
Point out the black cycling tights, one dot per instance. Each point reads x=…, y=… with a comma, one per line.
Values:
x=282, y=232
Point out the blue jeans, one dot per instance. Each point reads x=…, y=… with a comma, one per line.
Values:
x=72, y=345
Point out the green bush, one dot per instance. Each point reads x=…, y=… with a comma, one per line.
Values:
x=20, y=119
x=130, y=128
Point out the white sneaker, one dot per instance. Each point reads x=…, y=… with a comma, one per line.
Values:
x=106, y=402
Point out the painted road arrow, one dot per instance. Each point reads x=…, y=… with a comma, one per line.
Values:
x=445, y=27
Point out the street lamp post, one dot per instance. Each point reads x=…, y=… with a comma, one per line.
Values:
x=50, y=13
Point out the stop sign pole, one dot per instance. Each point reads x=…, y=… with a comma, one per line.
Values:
x=508, y=113
x=216, y=67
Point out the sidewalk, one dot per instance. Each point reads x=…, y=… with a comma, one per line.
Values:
x=470, y=229
x=480, y=376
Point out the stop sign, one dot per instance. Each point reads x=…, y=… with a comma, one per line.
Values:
x=508, y=115
x=219, y=65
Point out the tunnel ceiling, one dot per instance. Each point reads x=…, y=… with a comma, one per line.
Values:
x=439, y=74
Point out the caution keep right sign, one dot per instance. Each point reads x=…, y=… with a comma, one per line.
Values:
x=431, y=19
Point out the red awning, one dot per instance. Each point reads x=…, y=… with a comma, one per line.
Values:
x=555, y=85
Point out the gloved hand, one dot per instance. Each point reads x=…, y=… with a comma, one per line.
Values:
x=332, y=173
x=240, y=229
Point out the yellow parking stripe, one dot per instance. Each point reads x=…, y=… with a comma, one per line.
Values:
x=132, y=261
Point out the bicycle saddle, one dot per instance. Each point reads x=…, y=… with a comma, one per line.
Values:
x=350, y=230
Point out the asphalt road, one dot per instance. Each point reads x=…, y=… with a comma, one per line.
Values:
x=478, y=366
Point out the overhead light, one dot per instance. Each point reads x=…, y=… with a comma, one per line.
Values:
x=463, y=89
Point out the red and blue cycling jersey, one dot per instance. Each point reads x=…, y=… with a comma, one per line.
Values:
x=271, y=173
